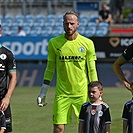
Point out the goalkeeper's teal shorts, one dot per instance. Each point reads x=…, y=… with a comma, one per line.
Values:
x=63, y=106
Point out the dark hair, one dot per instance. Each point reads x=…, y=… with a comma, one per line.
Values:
x=70, y=13
x=95, y=84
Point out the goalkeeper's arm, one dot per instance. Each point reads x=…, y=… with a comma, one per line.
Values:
x=48, y=75
x=92, y=73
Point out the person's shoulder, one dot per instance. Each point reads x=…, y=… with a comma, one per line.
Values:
x=86, y=104
x=129, y=102
x=81, y=37
x=105, y=104
x=5, y=49
x=57, y=37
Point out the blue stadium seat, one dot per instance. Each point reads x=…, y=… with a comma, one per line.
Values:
x=1, y=17
x=60, y=29
x=13, y=33
x=9, y=17
x=16, y=23
x=60, y=18
x=92, y=24
x=37, y=28
x=47, y=30
x=19, y=22
x=20, y=17
x=40, y=16
x=93, y=17
x=81, y=30
x=83, y=16
x=5, y=28
x=56, y=32
x=25, y=23
x=101, y=31
x=34, y=33
x=36, y=23
x=15, y=28
x=83, y=19
x=103, y=24
x=30, y=16
x=83, y=22
x=45, y=33
x=27, y=30
x=58, y=23
x=6, y=24
x=51, y=16
x=90, y=31
x=49, y=24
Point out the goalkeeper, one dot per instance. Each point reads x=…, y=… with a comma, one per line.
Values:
x=73, y=55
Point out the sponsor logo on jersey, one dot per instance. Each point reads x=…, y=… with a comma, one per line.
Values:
x=81, y=49
x=71, y=58
x=100, y=113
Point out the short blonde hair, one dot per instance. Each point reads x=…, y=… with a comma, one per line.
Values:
x=70, y=13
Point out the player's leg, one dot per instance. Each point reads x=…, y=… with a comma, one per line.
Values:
x=61, y=113
x=58, y=128
x=77, y=103
x=8, y=120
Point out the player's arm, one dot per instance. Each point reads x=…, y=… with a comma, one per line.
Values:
x=11, y=87
x=81, y=127
x=48, y=75
x=11, y=69
x=91, y=64
x=107, y=128
x=125, y=125
x=2, y=130
x=92, y=73
x=118, y=71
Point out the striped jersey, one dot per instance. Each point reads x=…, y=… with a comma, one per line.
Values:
x=128, y=115
x=2, y=120
x=7, y=64
x=95, y=117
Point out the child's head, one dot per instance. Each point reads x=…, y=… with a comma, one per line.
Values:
x=95, y=90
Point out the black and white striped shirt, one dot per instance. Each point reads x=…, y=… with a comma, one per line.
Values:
x=95, y=117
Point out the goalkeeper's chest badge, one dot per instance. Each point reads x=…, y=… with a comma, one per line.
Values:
x=81, y=49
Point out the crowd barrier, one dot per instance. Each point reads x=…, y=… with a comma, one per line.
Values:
x=35, y=48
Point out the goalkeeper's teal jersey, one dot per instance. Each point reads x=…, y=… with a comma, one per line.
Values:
x=70, y=58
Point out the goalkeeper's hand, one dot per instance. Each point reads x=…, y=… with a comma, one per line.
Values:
x=42, y=96
x=41, y=101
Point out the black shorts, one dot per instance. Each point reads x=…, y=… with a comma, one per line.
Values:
x=8, y=119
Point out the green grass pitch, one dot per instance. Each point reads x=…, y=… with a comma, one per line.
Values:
x=29, y=118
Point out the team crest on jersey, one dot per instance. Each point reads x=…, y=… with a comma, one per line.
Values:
x=3, y=56
x=81, y=49
x=100, y=113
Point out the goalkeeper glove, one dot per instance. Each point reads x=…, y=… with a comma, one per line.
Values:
x=42, y=96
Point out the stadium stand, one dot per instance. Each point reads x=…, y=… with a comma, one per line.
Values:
x=49, y=17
